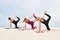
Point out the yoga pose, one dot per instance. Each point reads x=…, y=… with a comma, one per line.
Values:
x=42, y=20
x=29, y=22
x=13, y=21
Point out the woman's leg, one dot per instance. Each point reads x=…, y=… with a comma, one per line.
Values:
x=48, y=18
x=34, y=16
x=17, y=22
x=47, y=26
x=32, y=25
x=16, y=26
x=18, y=19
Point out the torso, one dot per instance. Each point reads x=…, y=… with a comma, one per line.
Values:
x=29, y=22
x=11, y=21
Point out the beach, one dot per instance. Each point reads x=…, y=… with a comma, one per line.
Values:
x=16, y=34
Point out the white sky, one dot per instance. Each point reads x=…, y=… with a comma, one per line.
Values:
x=25, y=8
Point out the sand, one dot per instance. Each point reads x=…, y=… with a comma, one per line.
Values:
x=15, y=34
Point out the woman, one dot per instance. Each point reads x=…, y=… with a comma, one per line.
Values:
x=13, y=21
x=29, y=22
x=42, y=20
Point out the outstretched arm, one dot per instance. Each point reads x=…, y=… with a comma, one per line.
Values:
x=10, y=25
x=39, y=30
x=39, y=26
x=25, y=25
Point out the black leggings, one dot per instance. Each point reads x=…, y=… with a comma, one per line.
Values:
x=15, y=22
x=46, y=22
